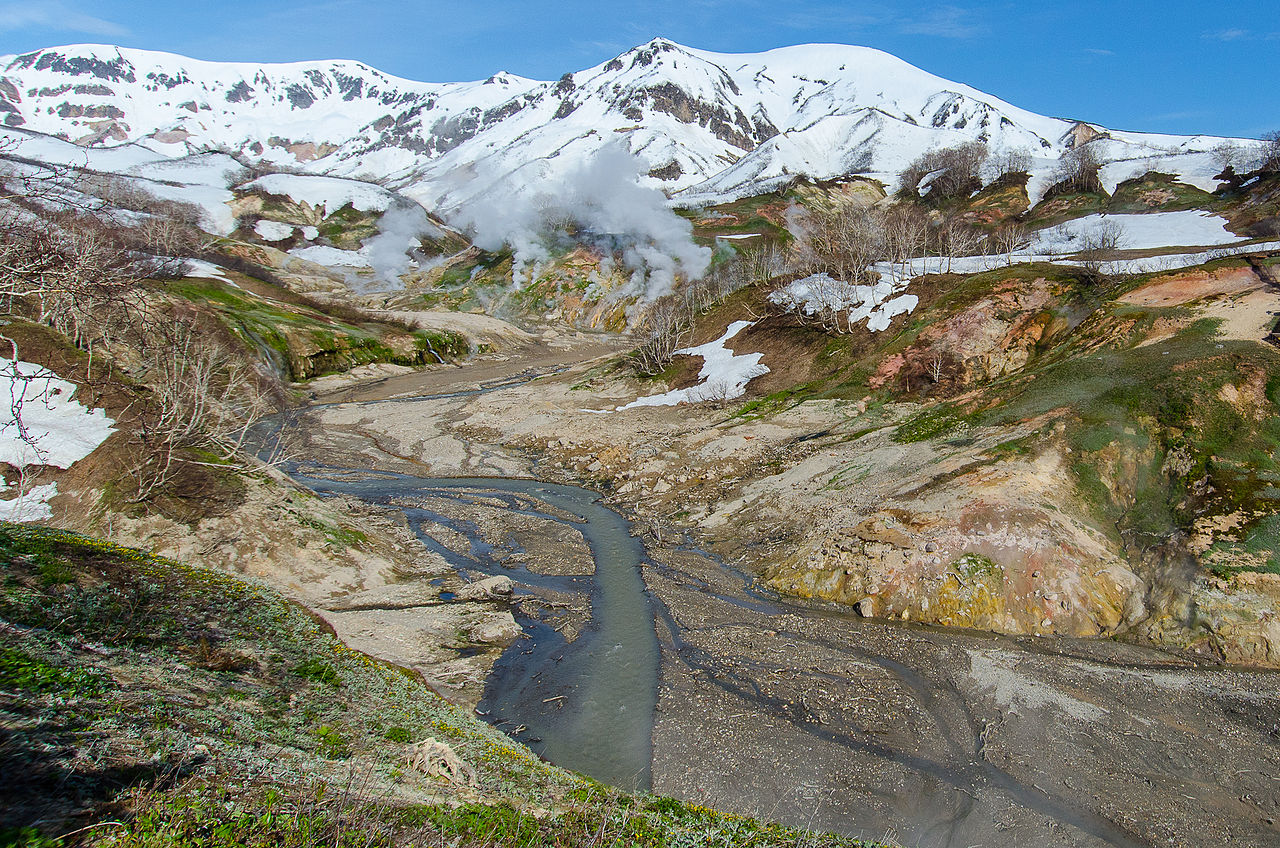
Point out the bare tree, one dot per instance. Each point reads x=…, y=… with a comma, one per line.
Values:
x=202, y=396
x=1098, y=245
x=844, y=242
x=1009, y=237
x=1269, y=160
x=83, y=270
x=954, y=238
x=906, y=234
x=1077, y=171
x=1228, y=154
x=1008, y=162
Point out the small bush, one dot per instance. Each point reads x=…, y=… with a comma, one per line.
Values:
x=318, y=671
x=331, y=743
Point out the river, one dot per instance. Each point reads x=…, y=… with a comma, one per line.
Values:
x=688, y=680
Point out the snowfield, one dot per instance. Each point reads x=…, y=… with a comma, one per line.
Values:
x=332, y=257
x=274, y=230
x=1148, y=231
x=63, y=431
x=724, y=374
x=819, y=110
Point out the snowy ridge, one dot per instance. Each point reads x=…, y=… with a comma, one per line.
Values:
x=707, y=126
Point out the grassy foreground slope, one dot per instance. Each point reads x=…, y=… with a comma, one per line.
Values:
x=144, y=702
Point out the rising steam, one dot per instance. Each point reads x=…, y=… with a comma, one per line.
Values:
x=394, y=251
x=601, y=204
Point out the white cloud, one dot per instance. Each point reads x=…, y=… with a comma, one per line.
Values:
x=1228, y=35
x=945, y=22
x=55, y=16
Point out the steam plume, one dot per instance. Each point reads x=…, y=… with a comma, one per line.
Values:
x=601, y=204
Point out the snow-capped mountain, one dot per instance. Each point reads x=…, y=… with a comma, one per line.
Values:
x=706, y=126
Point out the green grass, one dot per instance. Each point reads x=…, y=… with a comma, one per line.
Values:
x=1155, y=191
x=933, y=423
x=21, y=671
x=1257, y=549
x=317, y=671
x=973, y=566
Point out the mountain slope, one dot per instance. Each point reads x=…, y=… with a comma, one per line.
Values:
x=706, y=126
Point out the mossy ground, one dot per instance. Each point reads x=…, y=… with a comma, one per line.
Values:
x=148, y=703
x=305, y=342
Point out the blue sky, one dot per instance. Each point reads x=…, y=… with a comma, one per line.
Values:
x=1182, y=66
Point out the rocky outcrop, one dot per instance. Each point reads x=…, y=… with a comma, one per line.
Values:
x=996, y=551
x=994, y=336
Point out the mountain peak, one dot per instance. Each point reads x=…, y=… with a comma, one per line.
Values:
x=705, y=125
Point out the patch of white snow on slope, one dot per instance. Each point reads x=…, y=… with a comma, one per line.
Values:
x=31, y=505
x=1139, y=232
x=59, y=431
x=724, y=374
x=42, y=425
x=819, y=293
x=332, y=257
x=274, y=230
x=332, y=193
x=200, y=269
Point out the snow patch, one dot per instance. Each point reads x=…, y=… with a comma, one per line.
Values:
x=820, y=293
x=1139, y=232
x=724, y=374
x=58, y=430
x=31, y=505
x=198, y=268
x=332, y=256
x=274, y=230
x=332, y=193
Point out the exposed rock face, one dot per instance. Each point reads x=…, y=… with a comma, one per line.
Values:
x=995, y=336
x=990, y=552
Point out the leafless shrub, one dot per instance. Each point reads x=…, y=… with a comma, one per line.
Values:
x=1269, y=159
x=662, y=334
x=843, y=242
x=85, y=275
x=954, y=237
x=203, y=395
x=946, y=173
x=906, y=234
x=1006, y=163
x=1008, y=238
x=1097, y=247
x=124, y=193
x=1228, y=154
x=67, y=273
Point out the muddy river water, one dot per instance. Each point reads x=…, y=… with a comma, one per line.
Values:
x=652, y=665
